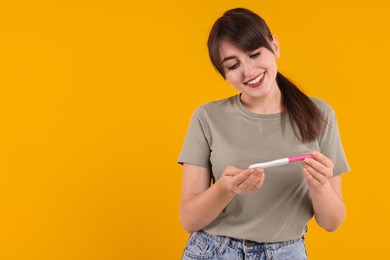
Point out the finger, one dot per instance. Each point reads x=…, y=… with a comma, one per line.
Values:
x=315, y=174
x=250, y=183
x=250, y=176
x=322, y=159
x=311, y=181
x=231, y=171
x=242, y=176
x=318, y=166
x=261, y=181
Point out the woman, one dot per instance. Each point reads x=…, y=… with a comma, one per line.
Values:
x=233, y=212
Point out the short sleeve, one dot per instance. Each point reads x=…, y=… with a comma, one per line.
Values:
x=331, y=145
x=196, y=148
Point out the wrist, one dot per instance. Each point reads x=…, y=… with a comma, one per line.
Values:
x=223, y=188
x=321, y=189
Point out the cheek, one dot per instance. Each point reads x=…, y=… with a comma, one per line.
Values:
x=231, y=81
x=232, y=77
x=271, y=63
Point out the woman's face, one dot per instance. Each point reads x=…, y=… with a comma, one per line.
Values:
x=251, y=73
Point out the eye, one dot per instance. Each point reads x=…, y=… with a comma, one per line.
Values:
x=235, y=66
x=255, y=55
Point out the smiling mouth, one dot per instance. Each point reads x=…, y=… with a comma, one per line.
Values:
x=256, y=81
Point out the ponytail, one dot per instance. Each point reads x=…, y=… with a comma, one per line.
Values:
x=305, y=117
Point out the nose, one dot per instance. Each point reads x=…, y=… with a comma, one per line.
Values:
x=248, y=69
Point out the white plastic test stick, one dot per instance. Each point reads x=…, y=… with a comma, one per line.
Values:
x=281, y=161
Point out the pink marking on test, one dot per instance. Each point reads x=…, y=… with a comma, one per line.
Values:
x=299, y=157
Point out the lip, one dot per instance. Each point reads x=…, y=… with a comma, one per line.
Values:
x=256, y=84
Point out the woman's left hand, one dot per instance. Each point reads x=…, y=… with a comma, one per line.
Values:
x=317, y=170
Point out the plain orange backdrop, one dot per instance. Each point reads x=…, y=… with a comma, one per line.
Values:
x=95, y=100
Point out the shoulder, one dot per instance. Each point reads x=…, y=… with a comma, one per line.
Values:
x=217, y=107
x=326, y=110
x=220, y=104
x=322, y=105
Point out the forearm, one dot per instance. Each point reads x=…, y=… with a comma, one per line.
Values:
x=329, y=208
x=200, y=210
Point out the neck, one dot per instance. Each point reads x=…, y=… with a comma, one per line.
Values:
x=271, y=103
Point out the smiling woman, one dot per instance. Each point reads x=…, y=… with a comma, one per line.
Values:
x=252, y=212
x=251, y=72
x=244, y=50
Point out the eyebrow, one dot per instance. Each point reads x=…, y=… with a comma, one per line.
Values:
x=228, y=58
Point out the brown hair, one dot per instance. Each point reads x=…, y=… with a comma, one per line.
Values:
x=248, y=31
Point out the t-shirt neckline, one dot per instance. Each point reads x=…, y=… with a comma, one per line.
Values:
x=252, y=114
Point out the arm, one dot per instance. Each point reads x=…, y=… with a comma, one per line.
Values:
x=201, y=203
x=325, y=189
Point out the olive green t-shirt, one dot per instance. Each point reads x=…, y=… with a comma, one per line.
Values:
x=224, y=133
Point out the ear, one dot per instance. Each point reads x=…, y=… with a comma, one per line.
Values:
x=275, y=46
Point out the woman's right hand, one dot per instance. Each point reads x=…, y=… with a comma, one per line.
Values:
x=239, y=181
x=201, y=204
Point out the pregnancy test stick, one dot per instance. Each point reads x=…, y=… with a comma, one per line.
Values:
x=281, y=161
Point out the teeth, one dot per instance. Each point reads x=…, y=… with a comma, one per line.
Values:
x=256, y=80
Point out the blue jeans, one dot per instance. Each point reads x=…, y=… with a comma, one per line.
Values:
x=202, y=245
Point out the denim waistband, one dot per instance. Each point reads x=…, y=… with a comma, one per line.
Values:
x=243, y=243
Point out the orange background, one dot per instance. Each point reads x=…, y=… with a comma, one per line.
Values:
x=96, y=96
